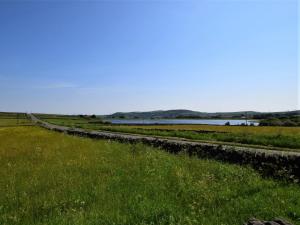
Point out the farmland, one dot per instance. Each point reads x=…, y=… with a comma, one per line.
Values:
x=13, y=119
x=149, y=112
x=53, y=178
x=269, y=136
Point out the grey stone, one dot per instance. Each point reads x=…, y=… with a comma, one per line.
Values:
x=276, y=221
x=281, y=222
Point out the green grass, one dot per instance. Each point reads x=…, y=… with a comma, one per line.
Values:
x=13, y=122
x=280, y=137
x=13, y=119
x=52, y=178
x=284, y=141
x=9, y=115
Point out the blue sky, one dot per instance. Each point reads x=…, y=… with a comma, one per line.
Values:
x=106, y=56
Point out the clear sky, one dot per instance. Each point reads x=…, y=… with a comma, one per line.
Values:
x=106, y=56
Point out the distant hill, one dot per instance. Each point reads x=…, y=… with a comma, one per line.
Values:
x=182, y=113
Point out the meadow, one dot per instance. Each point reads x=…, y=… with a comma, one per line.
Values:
x=268, y=136
x=13, y=119
x=53, y=178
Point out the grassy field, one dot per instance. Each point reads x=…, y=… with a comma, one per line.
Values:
x=282, y=137
x=13, y=119
x=52, y=178
x=8, y=115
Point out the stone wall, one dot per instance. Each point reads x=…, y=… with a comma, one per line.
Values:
x=281, y=164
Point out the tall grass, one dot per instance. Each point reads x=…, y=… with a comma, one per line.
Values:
x=52, y=178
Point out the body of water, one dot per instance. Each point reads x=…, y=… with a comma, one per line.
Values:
x=180, y=121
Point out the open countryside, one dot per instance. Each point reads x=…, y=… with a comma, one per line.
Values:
x=98, y=181
x=149, y=112
x=271, y=136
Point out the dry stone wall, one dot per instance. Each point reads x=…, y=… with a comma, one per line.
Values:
x=261, y=222
x=269, y=162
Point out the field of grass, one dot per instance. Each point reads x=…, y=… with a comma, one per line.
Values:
x=52, y=178
x=231, y=129
x=13, y=119
x=8, y=115
x=282, y=137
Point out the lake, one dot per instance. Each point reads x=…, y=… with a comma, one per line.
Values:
x=180, y=121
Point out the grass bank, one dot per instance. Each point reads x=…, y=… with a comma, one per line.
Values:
x=52, y=178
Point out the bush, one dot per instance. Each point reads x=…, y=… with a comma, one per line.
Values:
x=289, y=123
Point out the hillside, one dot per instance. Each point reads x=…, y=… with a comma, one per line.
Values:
x=181, y=113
